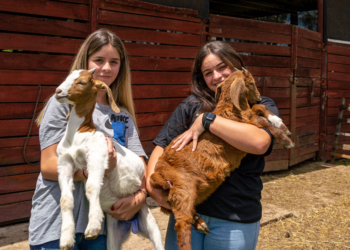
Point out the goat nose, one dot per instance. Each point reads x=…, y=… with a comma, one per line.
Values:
x=58, y=91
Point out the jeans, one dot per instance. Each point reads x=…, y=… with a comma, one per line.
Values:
x=223, y=235
x=100, y=243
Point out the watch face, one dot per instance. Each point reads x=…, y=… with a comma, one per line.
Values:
x=210, y=116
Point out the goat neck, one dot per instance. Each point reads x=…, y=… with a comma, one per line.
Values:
x=85, y=111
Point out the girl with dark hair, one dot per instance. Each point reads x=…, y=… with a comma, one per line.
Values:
x=105, y=52
x=233, y=211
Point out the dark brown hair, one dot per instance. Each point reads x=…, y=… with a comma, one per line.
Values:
x=199, y=88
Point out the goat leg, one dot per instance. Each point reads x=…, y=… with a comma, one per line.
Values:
x=199, y=224
x=93, y=189
x=277, y=133
x=65, y=171
x=262, y=110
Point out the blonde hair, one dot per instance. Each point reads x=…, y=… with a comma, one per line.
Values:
x=121, y=87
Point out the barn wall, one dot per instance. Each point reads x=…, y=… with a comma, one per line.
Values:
x=39, y=40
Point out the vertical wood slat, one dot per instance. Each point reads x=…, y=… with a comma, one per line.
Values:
x=93, y=14
x=293, y=87
x=340, y=116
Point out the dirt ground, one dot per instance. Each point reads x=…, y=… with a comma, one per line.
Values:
x=305, y=207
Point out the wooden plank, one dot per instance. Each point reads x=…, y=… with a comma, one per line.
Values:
x=308, y=53
x=308, y=139
x=338, y=59
x=19, y=170
x=336, y=67
x=307, y=72
x=271, y=72
x=18, y=141
x=39, y=43
x=338, y=50
x=276, y=165
x=15, y=211
x=159, y=91
x=337, y=85
x=307, y=149
x=148, y=22
x=152, y=119
x=243, y=23
x=25, y=93
x=153, y=105
x=243, y=34
x=344, y=128
x=14, y=156
x=311, y=119
x=306, y=101
x=307, y=111
x=41, y=25
x=149, y=133
x=159, y=64
x=336, y=102
x=18, y=183
x=31, y=77
x=76, y=1
x=154, y=36
x=342, y=134
x=153, y=6
x=60, y=9
x=24, y=61
x=309, y=34
x=261, y=48
x=16, y=197
x=16, y=127
x=282, y=103
x=148, y=146
x=145, y=77
x=147, y=12
x=309, y=63
x=307, y=130
x=342, y=146
x=276, y=155
x=309, y=44
x=272, y=61
x=302, y=158
x=46, y=8
x=138, y=49
x=273, y=82
x=18, y=110
x=332, y=111
x=338, y=93
x=341, y=155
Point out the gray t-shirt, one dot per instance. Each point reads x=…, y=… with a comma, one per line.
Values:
x=45, y=220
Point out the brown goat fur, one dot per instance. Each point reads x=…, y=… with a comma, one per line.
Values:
x=194, y=176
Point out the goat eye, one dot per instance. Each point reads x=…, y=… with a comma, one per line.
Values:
x=81, y=83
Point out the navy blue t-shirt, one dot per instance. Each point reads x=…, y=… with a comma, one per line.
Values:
x=238, y=197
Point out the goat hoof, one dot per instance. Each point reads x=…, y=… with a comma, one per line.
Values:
x=287, y=132
x=203, y=228
x=92, y=234
x=290, y=145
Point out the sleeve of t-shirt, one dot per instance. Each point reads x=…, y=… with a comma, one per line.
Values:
x=173, y=127
x=133, y=140
x=53, y=123
x=270, y=104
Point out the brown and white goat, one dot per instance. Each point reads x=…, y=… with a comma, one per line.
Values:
x=190, y=177
x=84, y=147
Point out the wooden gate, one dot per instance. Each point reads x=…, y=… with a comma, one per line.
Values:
x=286, y=63
x=338, y=86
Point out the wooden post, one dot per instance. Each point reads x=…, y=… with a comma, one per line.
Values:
x=293, y=88
x=93, y=15
x=320, y=17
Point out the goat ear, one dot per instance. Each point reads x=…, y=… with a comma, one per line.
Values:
x=237, y=89
x=102, y=85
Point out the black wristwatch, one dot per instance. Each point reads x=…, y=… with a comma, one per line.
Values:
x=207, y=119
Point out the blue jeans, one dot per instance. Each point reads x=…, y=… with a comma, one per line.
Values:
x=223, y=235
x=100, y=243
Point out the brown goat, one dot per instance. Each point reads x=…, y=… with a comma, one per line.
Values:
x=191, y=177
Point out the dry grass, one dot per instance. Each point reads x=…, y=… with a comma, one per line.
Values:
x=319, y=197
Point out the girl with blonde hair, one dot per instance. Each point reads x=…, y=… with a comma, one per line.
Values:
x=105, y=52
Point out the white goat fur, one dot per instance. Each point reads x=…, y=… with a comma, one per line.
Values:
x=89, y=150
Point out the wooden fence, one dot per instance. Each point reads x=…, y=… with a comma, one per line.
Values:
x=40, y=38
